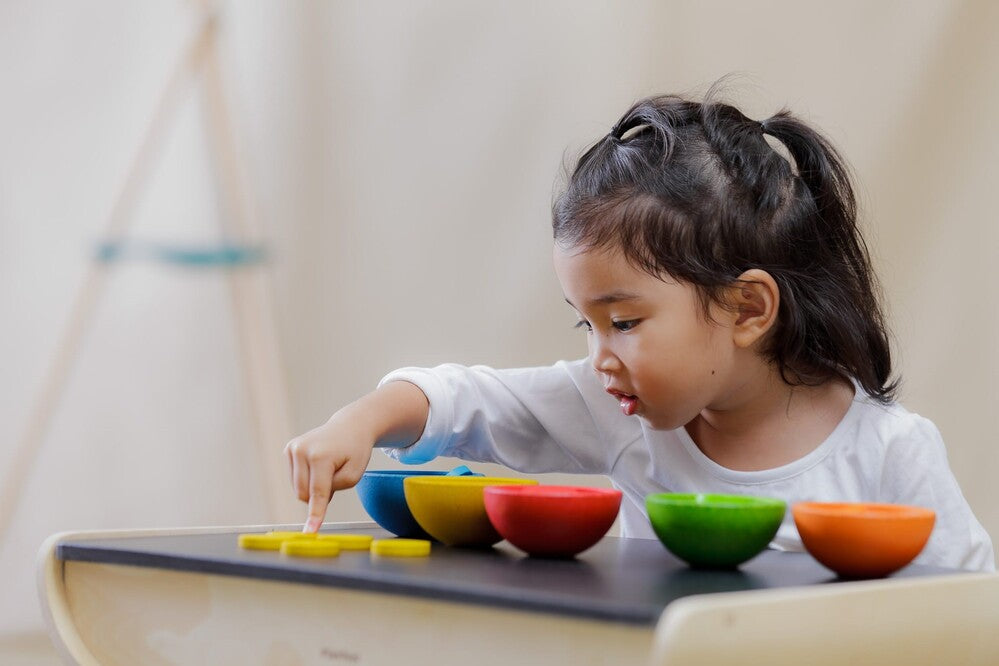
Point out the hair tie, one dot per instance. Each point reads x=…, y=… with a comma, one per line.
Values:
x=763, y=126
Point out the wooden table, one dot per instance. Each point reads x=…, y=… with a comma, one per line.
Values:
x=194, y=597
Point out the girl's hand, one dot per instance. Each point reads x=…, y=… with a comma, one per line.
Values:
x=326, y=459
x=334, y=456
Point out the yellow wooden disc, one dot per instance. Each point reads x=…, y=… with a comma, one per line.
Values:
x=401, y=547
x=349, y=541
x=293, y=535
x=261, y=541
x=310, y=548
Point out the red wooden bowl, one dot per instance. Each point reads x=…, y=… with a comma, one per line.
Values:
x=552, y=521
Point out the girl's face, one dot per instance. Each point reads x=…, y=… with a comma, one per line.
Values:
x=649, y=340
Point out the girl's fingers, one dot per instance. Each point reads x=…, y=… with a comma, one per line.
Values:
x=291, y=466
x=347, y=475
x=300, y=475
x=320, y=492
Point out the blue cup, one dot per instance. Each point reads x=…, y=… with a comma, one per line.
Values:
x=382, y=496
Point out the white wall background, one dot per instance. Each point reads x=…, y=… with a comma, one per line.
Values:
x=402, y=157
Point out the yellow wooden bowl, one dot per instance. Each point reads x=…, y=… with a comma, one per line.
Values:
x=451, y=508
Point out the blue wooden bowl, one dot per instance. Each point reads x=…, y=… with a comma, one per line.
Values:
x=382, y=496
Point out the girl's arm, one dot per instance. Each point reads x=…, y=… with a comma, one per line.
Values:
x=916, y=472
x=549, y=419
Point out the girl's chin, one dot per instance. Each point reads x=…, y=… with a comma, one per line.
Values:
x=654, y=423
x=659, y=422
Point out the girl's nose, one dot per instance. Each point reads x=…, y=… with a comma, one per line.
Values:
x=602, y=358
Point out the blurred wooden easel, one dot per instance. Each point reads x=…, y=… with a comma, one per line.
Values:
x=239, y=258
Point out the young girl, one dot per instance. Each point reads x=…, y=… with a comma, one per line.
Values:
x=736, y=343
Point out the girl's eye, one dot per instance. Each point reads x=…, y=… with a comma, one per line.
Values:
x=582, y=323
x=625, y=325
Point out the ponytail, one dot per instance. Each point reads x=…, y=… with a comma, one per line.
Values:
x=855, y=328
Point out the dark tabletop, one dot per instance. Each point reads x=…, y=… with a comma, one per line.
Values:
x=623, y=580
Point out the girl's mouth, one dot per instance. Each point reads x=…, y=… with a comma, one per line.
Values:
x=629, y=403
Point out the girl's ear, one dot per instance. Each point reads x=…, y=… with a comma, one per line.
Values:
x=755, y=299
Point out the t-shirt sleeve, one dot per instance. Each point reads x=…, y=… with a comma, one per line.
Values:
x=547, y=419
x=916, y=472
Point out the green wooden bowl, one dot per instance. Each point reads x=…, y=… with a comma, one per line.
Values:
x=714, y=531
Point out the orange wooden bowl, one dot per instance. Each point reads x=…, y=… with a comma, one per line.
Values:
x=862, y=540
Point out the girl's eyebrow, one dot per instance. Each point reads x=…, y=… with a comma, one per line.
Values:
x=607, y=299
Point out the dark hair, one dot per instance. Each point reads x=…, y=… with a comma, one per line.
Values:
x=694, y=191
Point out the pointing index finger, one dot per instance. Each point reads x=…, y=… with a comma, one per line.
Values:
x=320, y=494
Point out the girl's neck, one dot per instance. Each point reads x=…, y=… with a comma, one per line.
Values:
x=766, y=423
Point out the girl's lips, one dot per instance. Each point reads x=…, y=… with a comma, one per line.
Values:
x=629, y=403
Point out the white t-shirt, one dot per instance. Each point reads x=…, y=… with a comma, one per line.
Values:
x=560, y=419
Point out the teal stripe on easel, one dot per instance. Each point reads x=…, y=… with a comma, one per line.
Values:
x=207, y=256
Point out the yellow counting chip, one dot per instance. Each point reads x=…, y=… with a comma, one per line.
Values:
x=261, y=541
x=310, y=548
x=400, y=547
x=293, y=535
x=349, y=541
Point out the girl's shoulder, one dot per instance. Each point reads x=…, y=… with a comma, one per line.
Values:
x=893, y=426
